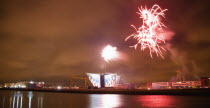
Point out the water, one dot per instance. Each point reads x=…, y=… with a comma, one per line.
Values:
x=28, y=99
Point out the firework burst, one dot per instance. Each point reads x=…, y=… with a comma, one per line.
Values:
x=149, y=35
x=109, y=53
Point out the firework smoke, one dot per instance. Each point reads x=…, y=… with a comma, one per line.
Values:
x=187, y=68
x=149, y=35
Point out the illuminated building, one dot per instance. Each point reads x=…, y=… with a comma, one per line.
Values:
x=9, y=85
x=159, y=85
x=186, y=84
x=94, y=79
x=111, y=80
x=179, y=84
x=101, y=80
x=24, y=84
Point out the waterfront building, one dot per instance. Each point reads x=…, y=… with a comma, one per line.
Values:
x=101, y=80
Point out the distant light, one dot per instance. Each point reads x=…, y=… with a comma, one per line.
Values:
x=23, y=86
x=209, y=78
x=59, y=87
x=31, y=82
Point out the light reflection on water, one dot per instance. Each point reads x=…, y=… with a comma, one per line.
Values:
x=25, y=99
x=105, y=101
x=15, y=100
x=157, y=101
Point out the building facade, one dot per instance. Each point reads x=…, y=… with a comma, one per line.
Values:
x=169, y=85
x=101, y=80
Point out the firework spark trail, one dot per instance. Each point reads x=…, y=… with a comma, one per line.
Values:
x=149, y=35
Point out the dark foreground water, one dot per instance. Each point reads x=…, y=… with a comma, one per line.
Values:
x=25, y=99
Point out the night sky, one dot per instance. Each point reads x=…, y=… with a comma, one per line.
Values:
x=57, y=39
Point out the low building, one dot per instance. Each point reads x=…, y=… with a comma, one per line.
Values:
x=175, y=85
x=9, y=85
x=186, y=84
x=24, y=84
x=161, y=85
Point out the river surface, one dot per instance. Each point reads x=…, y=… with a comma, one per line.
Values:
x=29, y=99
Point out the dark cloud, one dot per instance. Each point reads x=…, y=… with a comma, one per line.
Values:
x=49, y=39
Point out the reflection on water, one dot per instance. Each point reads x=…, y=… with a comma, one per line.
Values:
x=30, y=95
x=105, y=101
x=15, y=100
x=157, y=101
x=26, y=99
x=3, y=101
x=40, y=102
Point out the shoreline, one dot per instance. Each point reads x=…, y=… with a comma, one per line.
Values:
x=181, y=92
